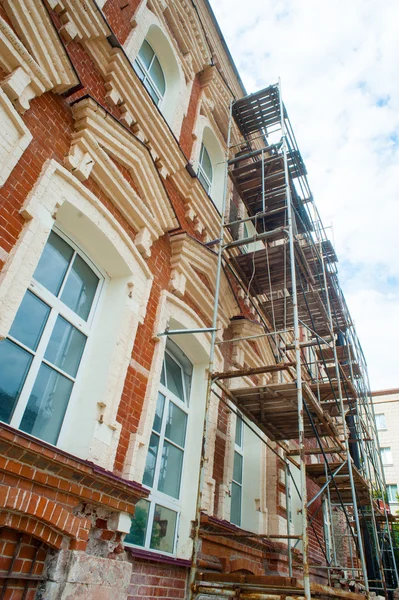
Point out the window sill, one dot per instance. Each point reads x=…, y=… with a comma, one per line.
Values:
x=157, y=557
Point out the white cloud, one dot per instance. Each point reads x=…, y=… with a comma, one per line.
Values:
x=338, y=66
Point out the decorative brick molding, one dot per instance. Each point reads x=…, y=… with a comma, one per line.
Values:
x=68, y=477
x=193, y=273
x=45, y=511
x=98, y=142
x=14, y=137
x=42, y=490
x=35, y=28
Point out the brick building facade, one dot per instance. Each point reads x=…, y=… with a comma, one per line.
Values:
x=113, y=135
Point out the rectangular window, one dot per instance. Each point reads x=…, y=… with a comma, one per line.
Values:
x=392, y=491
x=386, y=456
x=380, y=422
x=40, y=359
x=236, y=484
x=155, y=522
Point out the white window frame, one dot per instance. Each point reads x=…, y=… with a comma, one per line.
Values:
x=238, y=449
x=147, y=76
x=156, y=497
x=57, y=308
x=394, y=500
x=386, y=452
x=201, y=170
x=384, y=424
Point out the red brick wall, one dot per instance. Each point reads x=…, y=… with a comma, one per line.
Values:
x=152, y=581
x=20, y=553
x=119, y=14
x=186, y=133
x=50, y=122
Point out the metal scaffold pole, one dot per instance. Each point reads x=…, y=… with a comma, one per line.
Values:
x=345, y=431
x=298, y=362
x=196, y=540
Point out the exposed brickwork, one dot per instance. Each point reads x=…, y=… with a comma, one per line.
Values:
x=48, y=118
x=186, y=134
x=20, y=555
x=90, y=78
x=119, y=14
x=151, y=581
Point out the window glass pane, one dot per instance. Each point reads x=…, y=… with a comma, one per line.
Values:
x=392, y=490
x=204, y=181
x=380, y=421
x=163, y=379
x=235, y=507
x=14, y=366
x=47, y=404
x=237, y=469
x=149, y=471
x=138, y=529
x=80, y=288
x=65, y=347
x=152, y=91
x=158, y=76
x=163, y=529
x=146, y=53
x=386, y=456
x=176, y=425
x=238, y=438
x=170, y=472
x=53, y=263
x=30, y=320
x=138, y=69
x=206, y=163
x=174, y=379
x=159, y=413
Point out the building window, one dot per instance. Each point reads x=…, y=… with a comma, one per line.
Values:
x=392, y=491
x=386, y=456
x=41, y=357
x=236, y=484
x=155, y=521
x=205, y=171
x=380, y=422
x=149, y=70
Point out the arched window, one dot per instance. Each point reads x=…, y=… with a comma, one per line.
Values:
x=154, y=525
x=210, y=162
x=205, y=171
x=40, y=359
x=148, y=68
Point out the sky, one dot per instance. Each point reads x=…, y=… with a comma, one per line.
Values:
x=339, y=67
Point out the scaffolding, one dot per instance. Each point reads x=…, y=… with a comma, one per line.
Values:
x=314, y=402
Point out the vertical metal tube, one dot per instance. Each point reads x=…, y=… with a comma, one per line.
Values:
x=328, y=499
x=289, y=512
x=346, y=437
x=327, y=534
x=305, y=539
x=196, y=540
x=263, y=182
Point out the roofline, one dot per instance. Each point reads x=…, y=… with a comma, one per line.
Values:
x=224, y=44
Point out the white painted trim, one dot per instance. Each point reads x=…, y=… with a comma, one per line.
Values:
x=58, y=196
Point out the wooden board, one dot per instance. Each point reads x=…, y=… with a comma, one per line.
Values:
x=274, y=408
x=258, y=111
x=251, y=174
x=342, y=480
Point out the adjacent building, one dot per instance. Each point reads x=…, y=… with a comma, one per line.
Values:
x=386, y=409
